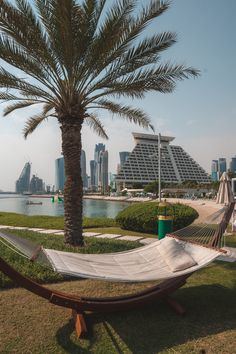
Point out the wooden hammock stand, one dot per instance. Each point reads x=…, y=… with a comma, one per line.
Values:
x=79, y=305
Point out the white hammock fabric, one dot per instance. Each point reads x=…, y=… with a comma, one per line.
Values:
x=138, y=265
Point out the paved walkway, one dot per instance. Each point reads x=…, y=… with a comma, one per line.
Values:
x=142, y=240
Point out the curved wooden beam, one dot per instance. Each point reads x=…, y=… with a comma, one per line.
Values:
x=104, y=304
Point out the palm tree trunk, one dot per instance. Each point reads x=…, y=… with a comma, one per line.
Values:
x=73, y=189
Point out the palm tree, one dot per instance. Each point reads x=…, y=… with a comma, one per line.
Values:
x=73, y=57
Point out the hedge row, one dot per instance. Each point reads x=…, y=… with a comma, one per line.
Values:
x=142, y=217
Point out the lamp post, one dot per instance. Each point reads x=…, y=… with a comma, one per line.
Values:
x=159, y=166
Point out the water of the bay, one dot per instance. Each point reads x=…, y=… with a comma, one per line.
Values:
x=91, y=208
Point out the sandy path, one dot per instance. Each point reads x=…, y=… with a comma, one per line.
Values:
x=203, y=207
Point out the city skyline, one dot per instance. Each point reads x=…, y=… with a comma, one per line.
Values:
x=88, y=166
x=200, y=113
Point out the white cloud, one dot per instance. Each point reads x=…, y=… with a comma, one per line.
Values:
x=190, y=122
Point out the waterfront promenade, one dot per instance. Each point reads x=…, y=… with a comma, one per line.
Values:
x=204, y=207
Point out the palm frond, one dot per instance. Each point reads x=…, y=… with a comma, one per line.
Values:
x=18, y=105
x=61, y=20
x=131, y=114
x=136, y=84
x=108, y=36
x=147, y=52
x=32, y=123
x=15, y=22
x=47, y=108
x=93, y=122
x=10, y=81
x=127, y=35
x=88, y=18
x=15, y=55
x=5, y=96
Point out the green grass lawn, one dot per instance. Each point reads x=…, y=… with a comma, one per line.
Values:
x=50, y=222
x=29, y=324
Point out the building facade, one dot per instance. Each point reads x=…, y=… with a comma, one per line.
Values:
x=93, y=174
x=233, y=164
x=222, y=166
x=60, y=174
x=214, y=170
x=36, y=185
x=124, y=155
x=104, y=172
x=23, y=182
x=142, y=166
x=97, y=157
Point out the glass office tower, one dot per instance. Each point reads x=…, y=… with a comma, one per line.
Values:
x=23, y=182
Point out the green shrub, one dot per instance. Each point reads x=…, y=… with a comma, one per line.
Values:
x=142, y=217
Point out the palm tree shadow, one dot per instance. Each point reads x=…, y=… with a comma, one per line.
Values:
x=68, y=340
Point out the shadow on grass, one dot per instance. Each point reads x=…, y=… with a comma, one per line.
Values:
x=65, y=340
x=210, y=310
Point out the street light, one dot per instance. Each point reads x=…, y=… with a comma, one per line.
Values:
x=159, y=166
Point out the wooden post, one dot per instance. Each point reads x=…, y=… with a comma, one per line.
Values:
x=179, y=309
x=80, y=324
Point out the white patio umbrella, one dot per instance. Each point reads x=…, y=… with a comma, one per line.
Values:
x=225, y=194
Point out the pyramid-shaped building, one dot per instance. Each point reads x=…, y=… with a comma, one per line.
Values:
x=142, y=165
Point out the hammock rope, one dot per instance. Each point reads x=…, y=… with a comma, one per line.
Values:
x=13, y=249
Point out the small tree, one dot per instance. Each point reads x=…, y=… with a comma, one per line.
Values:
x=152, y=188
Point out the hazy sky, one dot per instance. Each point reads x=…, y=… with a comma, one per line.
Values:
x=200, y=113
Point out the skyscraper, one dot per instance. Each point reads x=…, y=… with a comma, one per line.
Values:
x=36, y=185
x=98, y=148
x=233, y=164
x=214, y=170
x=23, y=182
x=142, y=165
x=222, y=166
x=97, y=157
x=104, y=171
x=93, y=174
x=60, y=174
